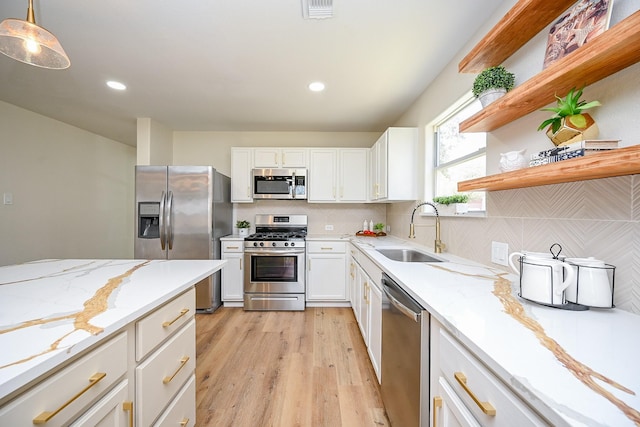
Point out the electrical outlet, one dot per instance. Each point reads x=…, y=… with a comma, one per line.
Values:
x=8, y=198
x=328, y=227
x=500, y=253
x=388, y=228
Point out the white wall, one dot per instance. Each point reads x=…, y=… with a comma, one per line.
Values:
x=214, y=148
x=72, y=191
x=154, y=143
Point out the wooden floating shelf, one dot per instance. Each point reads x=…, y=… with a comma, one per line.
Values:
x=610, y=52
x=618, y=162
x=526, y=19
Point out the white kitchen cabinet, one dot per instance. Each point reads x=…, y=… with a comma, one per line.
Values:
x=241, y=165
x=323, y=175
x=354, y=296
x=68, y=394
x=470, y=388
x=394, y=166
x=113, y=410
x=269, y=157
x=364, y=289
x=338, y=175
x=233, y=274
x=375, y=326
x=327, y=272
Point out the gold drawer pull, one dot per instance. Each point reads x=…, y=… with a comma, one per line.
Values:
x=437, y=404
x=182, y=313
x=184, y=422
x=232, y=247
x=46, y=416
x=326, y=249
x=128, y=406
x=183, y=362
x=486, y=407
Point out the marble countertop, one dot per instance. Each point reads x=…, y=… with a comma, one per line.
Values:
x=52, y=310
x=575, y=368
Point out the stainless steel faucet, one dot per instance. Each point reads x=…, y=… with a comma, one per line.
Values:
x=439, y=246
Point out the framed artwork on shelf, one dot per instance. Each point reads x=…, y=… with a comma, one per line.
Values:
x=580, y=23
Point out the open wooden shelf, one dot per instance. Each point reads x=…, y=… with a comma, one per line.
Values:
x=526, y=19
x=618, y=162
x=610, y=52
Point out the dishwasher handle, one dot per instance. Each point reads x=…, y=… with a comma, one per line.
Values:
x=388, y=287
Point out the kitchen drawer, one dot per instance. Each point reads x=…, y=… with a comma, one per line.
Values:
x=457, y=361
x=77, y=386
x=109, y=411
x=355, y=252
x=164, y=372
x=326, y=247
x=159, y=325
x=182, y=410
x=233, y=246
x=372, y=270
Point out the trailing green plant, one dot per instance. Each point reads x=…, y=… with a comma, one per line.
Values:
x=448, y=200
x=493, y=78
x=243, y=224
x=379, y=226
x=570, y=107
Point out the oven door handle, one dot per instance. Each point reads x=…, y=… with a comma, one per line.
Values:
x=266, y=252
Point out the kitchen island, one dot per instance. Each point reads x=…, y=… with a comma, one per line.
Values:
x=572, y=368
x=56, y=312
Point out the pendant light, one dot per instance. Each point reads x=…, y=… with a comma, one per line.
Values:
x=29, y=43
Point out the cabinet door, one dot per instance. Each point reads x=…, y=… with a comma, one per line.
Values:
x=382, y=163
x=326, y=278
x=353, y=285
x=266, y=157
x=448, y=410
x=241, y=164
x=352, y=175
x=293, y=158
x=363, y=288
x=375, y=327
x=110, y=411
x=322, y=175
x=232, y=276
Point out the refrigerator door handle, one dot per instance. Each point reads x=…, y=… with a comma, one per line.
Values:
x=163, y=198
x=170, y=219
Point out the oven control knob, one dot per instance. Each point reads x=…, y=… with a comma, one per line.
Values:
x=261, y=243
x=293, y=244
x=286, y=243
x=273, y=244
x=255, y=243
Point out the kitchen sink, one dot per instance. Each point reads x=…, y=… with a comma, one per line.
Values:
x=407, y=255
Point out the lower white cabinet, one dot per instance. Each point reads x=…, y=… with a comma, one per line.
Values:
x=113, y=410
x=181, y=412
x=326, y=271
x=233, y=274
x=464, y=392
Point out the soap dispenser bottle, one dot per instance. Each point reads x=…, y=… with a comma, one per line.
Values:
x=370, y=225
x=365, y=226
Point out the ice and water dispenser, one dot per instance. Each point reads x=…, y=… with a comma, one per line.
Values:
x=149, y=220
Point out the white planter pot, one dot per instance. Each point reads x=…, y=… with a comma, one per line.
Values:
x=243, y=232
x=490, y=95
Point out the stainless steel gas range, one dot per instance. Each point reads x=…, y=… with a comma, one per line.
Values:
x=274, y=276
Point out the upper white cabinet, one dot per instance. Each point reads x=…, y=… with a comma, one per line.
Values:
x=279, y=157
x=394, y=169
x=337, y=175
x=241, y=164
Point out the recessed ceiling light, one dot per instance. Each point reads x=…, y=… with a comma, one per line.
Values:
x=316, y=87
x=116, y=85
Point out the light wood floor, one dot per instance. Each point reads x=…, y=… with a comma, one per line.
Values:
x=284, y=369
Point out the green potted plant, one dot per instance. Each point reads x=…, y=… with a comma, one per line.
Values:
x=570, y=124
x=243, y=227
x=459, y=203
x=379, y=229
x=492, y=83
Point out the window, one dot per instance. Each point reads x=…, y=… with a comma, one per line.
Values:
x=459, y=156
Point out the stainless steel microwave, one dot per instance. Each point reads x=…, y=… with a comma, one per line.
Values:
x=279, y=184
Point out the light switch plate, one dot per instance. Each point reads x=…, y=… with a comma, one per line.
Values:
x=8, y=198
x=500, y=253
x=328, y=227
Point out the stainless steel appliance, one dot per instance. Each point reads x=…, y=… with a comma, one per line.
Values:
x=181, y=213
x=280, y=184
x=405, y=350
x=274, y=276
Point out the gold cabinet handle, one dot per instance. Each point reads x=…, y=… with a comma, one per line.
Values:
x=184, y=422
x=182, y=313
x=309, y=265
x=327, y=248
x=46, y=416
x=248, y=191
x=437, y=404
x=485, y=407
x=364, y=294
x=240, y=263
x=183, y=362
x=232, y=247
x=128, y=406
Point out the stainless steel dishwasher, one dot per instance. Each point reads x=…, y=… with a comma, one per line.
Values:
x=405, y=356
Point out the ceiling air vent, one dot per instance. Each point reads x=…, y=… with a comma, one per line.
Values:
x=317, y=9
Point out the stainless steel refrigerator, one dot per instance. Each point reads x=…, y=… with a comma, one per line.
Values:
x=181, y=213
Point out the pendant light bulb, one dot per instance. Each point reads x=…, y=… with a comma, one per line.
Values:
x=29, y=43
